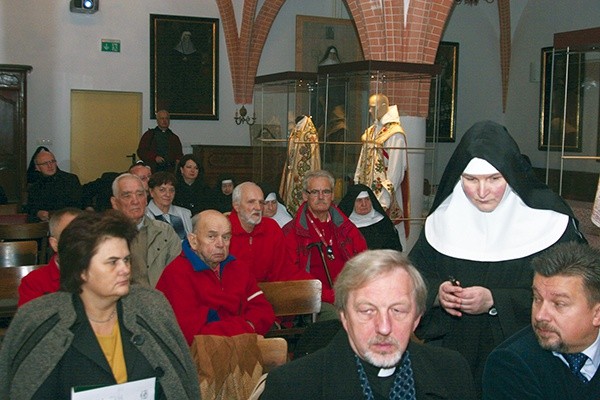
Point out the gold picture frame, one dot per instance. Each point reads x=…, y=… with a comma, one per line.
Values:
x=553, y=72
x=184, y=66
x=447, y=57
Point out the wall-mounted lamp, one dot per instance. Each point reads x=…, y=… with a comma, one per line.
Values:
x=243, y=117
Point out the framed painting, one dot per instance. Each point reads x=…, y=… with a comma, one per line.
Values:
x=447, y=57
x=184, y=66
x=553, y=105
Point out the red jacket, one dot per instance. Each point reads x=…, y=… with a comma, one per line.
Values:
x=39, y=282
x=264, y=250
x=347, y=242
x=206, y=305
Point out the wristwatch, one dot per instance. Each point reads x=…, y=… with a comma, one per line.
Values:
x=492, y=311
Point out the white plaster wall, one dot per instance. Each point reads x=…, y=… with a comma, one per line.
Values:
x=533, y=25
x=64, y=50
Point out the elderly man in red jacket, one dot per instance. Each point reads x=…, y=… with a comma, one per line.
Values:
x=212, y=292
x=320, y=237
x=258, y=240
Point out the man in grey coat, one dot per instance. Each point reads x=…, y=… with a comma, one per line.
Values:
x=157, y=243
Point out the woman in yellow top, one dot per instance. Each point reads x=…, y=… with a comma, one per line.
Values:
x=97, y=330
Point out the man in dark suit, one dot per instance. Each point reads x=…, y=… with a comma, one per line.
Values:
x=557, y=357
x=380, y=298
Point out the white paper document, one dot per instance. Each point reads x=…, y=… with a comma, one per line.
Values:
x=136, y=390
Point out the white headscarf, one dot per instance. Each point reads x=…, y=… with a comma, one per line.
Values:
x=513, y=230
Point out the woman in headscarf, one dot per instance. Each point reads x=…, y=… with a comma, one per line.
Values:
x=490, y=217
x=362, y=207
x=222, y=192
x=274, y=207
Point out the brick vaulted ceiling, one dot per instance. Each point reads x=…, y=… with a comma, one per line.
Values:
x=382, y=33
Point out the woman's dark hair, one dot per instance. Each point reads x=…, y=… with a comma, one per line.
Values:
x=182, y=162
x=79, y=242
x=161, y=178
x=32, y=173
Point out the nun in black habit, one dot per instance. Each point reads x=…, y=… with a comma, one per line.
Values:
x=490, y=217
x=362, y=208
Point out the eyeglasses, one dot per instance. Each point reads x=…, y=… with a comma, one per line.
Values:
x=315, y=192
x=46, y=164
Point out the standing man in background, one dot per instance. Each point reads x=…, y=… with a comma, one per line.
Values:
x=160, y=148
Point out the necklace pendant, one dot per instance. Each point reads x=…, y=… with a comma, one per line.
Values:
x=329, y=251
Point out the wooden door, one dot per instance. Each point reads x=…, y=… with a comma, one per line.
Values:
x=13, y=131
x=105, y=131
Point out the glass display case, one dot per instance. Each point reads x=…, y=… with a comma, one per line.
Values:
x=342, y=109
x=337, y=99
x=278, y=100
x=569, y=113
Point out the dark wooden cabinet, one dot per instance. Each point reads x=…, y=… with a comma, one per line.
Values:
x=13, y=131
x=245, y=163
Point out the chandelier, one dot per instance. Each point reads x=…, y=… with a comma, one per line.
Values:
x=472, y=2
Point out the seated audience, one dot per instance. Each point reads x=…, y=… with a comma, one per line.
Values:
x=190, y=191
x=321, y=238
x=557, y=356
x=258, y=241
x=32, y=172
x=156, y=243
x=380, y=298
x=98, y=330
x=221, y=199
x=46, y=279
x=97, y=193
x=211, y=292
x=142, y=171
x=162, y=191
x=274, y=207
x=363, y=208
x=54, y=189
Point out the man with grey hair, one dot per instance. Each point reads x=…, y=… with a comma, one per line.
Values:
x=321, y=238
x=159, y=147
x=558, y=355
x=156, y=243
x=380, y=298
x=259, y=241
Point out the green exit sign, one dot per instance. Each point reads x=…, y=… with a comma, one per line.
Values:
x=111, y=45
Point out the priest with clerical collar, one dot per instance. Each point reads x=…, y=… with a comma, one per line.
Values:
x=380, y=298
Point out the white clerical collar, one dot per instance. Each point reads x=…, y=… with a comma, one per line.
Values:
x=385, y=372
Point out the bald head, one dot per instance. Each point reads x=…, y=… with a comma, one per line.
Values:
x=211, y=237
